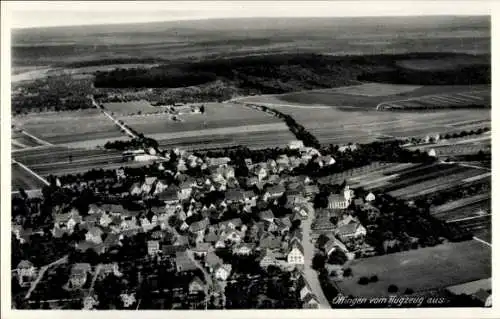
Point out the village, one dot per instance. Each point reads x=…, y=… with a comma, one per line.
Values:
x=202, y=229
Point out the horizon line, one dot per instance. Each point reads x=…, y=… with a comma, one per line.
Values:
x=243, y=18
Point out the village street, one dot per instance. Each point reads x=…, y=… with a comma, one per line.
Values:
x=310, y=274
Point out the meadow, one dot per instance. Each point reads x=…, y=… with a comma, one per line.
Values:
x=423, y=269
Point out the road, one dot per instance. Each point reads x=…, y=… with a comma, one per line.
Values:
x=310, y=274
x=42, y=272
x=123, y=127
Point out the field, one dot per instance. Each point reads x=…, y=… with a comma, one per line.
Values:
x=453, y=100
x=423, y=269
x=55, y=160
x=69, y=127
x=21, y=140
x=130, y=108
x=24, y=179
x=222, y=124
x=438, y=65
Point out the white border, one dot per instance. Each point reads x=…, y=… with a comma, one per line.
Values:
x=354, y=313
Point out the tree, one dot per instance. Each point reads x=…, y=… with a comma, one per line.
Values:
x=347, y=272
x=318, y=262
x=373, y=278
x=337, y=258
x=409, y=291
x=363, y=281
x=392, y=289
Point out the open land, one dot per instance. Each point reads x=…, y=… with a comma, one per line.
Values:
x=423, y=269
x=22, y=178
x=69, y=127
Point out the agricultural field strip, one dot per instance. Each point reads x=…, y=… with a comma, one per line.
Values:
x=368, y=170
x=405, y=181
x=482, y=209
x=459, y=203
x=433, y=185
x=472, y=95
x=477, y=178
x=76, y=161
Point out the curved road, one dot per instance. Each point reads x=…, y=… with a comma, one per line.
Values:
x=310, y=274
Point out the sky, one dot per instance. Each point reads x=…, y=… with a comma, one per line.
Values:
x=27, y=14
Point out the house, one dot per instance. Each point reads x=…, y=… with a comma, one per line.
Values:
x=110, y=268
x=267, y=258
x=311, y=190
x=186, y=188
x=153, y=247
x=244, y=249
x=283, y=225
x=269, y=241
x=295, y=254
x=212, y=260
x=234, y=195
x=350, y=231
x=128, y=300
x=295, y=145
x=275, y=191
x=160, y=186
x=323, y=224
x=25, y=271
x=233, y=236
x=170, y=196
x=196, y=286
x=325, y=160
x=370, y=197
x=168, y=250
x=333, y=244
x=266, y=215
x=211, y=236
x=217, y=161
x=105, y=220
x=199, y=226
x=222, y=271
x=183, y=262
x=261, y=173
x=94, y=235
x=230, y=224
x=147, y=224
x=336, y=201
x=148, y=184
x=136, y=189
x=310, y=302
x=202, y=249
x=78, y=274
x=358, y=202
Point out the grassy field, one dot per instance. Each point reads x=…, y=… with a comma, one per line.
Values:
x=21, y=141
x=24, y=179
x=69, y=127
x=422, y=269
x=125, y=108
x=369, y=95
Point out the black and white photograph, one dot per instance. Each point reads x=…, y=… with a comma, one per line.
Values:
x=253, y=155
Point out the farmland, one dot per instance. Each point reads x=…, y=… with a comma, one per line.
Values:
x=69, y=127
x=423, y=269
x=21, y=178
x=134, y=107
x=454, y=100
x=21, y=140
x=222, y=124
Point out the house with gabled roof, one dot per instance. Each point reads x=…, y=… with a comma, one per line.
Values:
x=199, y=226
x=196, y=286
x=275, y=191
x=78, y=275
x=222, y=271
x=267, y=258
x=230, y=224
x=170, y=196
x=234, y=195
x=370, y=197
x=212, y=260
x=183, y=262
x=295, y=254
x=351, y=231
x=310, y=301
x=269, y=241
x=26, y=272
x=244, y=249
x=266, y=215
x=94, y=235
x=153, y=247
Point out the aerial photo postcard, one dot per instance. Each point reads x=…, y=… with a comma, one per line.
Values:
x=249, y=155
